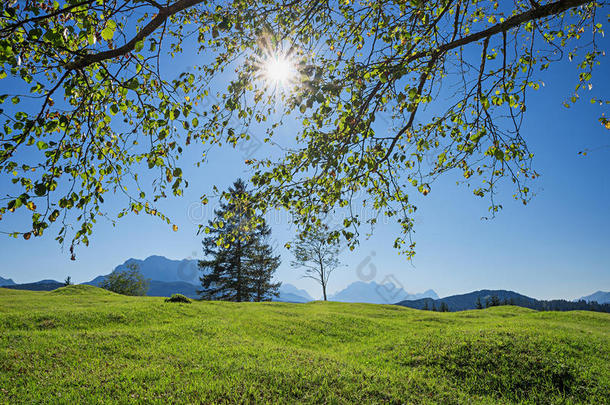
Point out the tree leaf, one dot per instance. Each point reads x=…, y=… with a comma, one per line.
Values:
x=108, y=31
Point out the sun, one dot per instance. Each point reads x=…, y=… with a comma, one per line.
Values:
x=278, y=70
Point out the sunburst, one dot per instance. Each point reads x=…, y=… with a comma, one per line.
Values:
x=277, y=69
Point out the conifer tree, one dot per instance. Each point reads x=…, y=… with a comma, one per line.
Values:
x=263, y=263
x=479, y=303
x=240, y=262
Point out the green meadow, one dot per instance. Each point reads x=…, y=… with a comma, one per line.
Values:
x=81, y=344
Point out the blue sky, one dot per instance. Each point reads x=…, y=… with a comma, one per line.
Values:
x=556, y=247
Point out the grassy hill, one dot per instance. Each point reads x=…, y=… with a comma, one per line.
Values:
x=80, y=344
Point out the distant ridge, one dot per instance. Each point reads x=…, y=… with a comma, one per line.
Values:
x=468, y=301
x=166, y=276
x=167, y=288
x=156, y=288
x=601, y=297
x=373, y=293
x=161, y=268
x=290, y=293
x=42, y=285
x=6, y=281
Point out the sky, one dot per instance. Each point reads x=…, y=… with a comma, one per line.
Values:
x=558, y=246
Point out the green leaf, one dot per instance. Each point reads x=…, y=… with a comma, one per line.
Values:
x=132, y=84
x=40, y=189
x=108, y=31
x=138, y=46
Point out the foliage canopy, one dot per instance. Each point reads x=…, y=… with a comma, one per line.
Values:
x=89, y=106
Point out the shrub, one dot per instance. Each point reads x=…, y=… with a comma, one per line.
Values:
x=127, y=282
x=178, y=298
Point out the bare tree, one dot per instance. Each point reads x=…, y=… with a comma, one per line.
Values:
x=318, y=255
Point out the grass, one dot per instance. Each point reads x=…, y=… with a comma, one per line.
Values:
x=80, y=344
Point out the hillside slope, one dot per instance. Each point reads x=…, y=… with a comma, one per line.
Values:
x=90, y=346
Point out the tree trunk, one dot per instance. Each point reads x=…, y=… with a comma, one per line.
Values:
x=239, y=278
x=324, y=290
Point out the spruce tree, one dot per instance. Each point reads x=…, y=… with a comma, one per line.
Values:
x=479, y=303
x=262, y=263
x=240, y=262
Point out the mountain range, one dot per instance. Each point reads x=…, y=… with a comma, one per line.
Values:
x=160, y=268
x=468, y=301
x=290, y=293
x=169, y=277
x=463, y=302
x=601, y=297
x=166, y=276
x=182, y=276
x=42, y=285
x=373, y=293
x=6, y=281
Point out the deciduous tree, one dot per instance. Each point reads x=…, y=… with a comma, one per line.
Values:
x=318, y=255
x=127, y=282
x=89, y=106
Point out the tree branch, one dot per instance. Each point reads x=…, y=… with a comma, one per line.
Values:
x=515, y=21
x=164, y=14
x=9, y=29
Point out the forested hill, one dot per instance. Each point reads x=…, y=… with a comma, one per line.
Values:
x=488, y=298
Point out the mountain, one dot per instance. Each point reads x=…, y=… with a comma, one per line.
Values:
x=374, y=293
x=289, y=293
x=468, y=301
x=601, y=297
x=6, y=281
x=96, y=281
x=161, y=268
x=167, y=288
x=166, y=276
x=42, y=285
x=156, y=288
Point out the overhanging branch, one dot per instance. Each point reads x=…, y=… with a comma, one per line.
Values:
x=164, y=14
x=515, y=21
